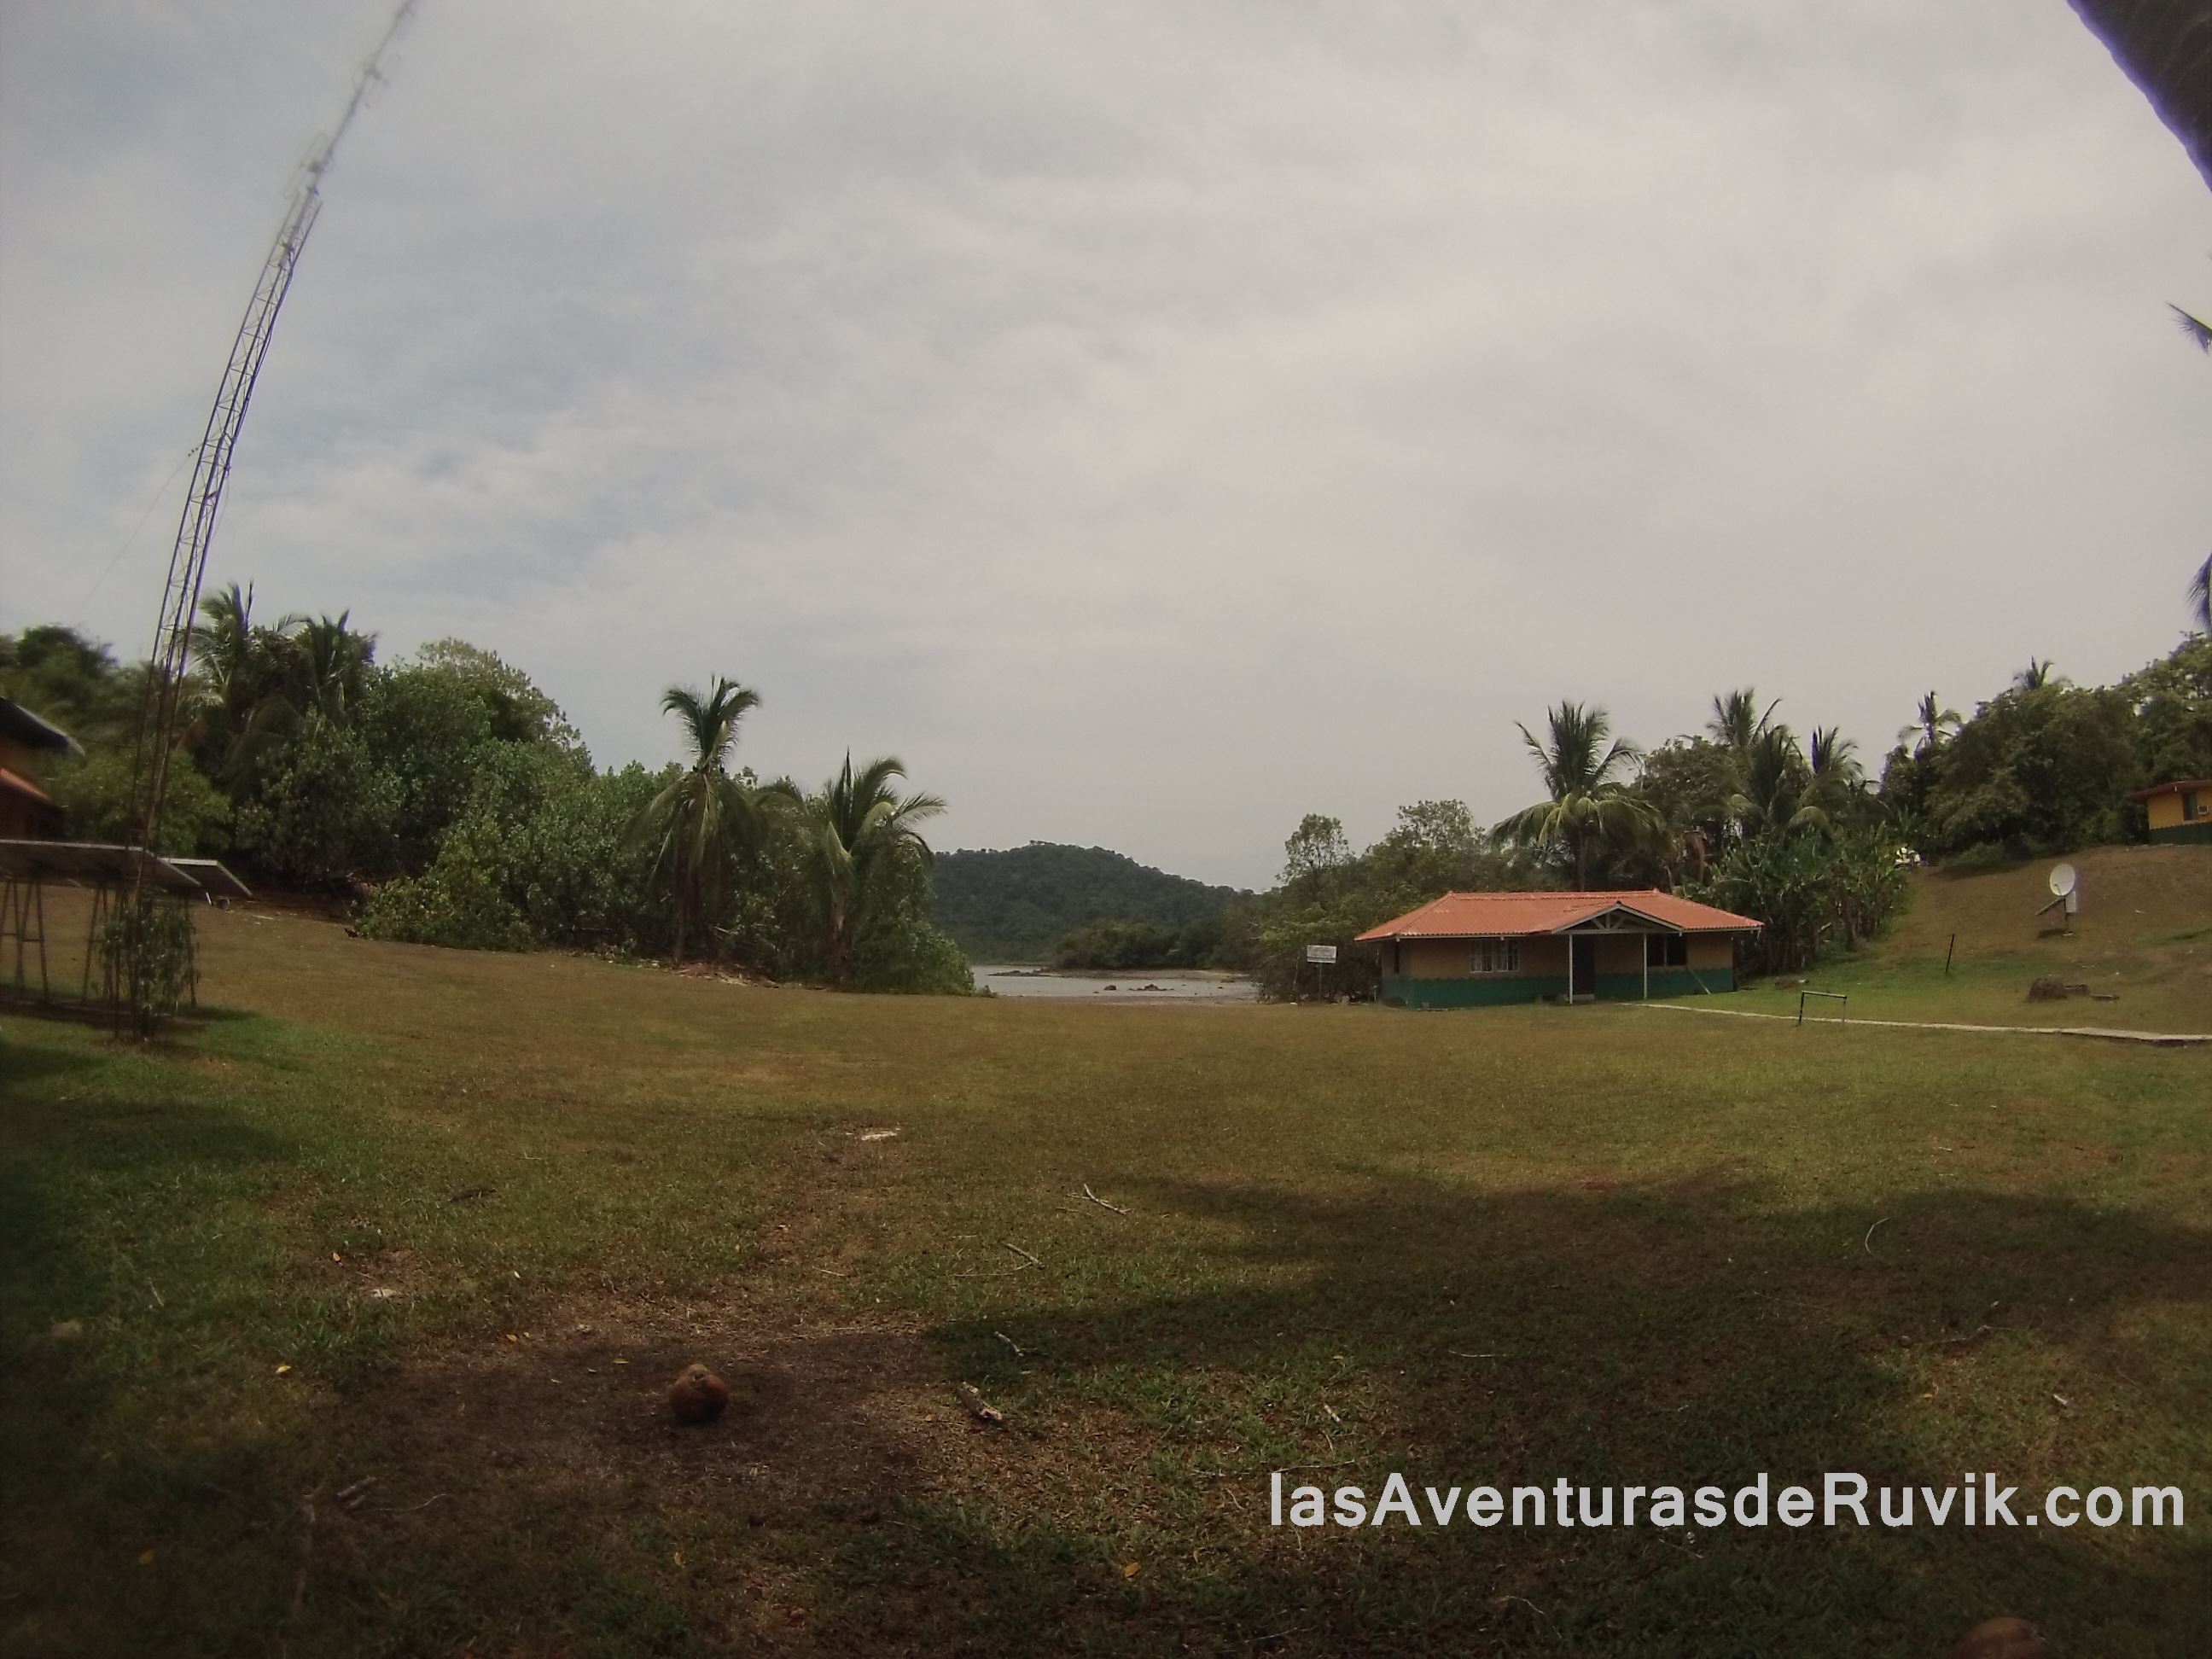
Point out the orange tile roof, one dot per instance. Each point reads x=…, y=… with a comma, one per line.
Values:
x=2176, y=788
x=1501, y=915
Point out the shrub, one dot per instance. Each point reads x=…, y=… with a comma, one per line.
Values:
x=457, y=902
x=164, y=941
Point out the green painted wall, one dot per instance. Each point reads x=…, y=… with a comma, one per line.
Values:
x=1489, y=991
x=1665, y=982
x=1492, y=991
x=2200, y=830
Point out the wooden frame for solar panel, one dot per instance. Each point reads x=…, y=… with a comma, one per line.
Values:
x=107, y=871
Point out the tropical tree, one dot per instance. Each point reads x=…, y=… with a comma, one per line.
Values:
x=1776, y=787
x=1836, y=782
x=704, y=817
x=2035, y=675
x=1738, y=722
x=2200, y=596
x=1589, y=800
x=858, y=836
x=333, y=664
x=241, y=673
x=1316, y=850
x=1931, y=724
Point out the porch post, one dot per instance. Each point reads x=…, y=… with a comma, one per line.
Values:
x=1570, y=970
x=1647, y=967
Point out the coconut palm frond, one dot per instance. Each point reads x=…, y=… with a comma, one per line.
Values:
x=704, y=817
x=860, y=832
x=2195, y=327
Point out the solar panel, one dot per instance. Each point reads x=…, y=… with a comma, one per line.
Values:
x=98, y=861
x=211, y=875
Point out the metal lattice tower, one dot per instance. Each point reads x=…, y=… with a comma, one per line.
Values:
x=180, y=597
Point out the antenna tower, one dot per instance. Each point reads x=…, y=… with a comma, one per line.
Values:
x=180, y=597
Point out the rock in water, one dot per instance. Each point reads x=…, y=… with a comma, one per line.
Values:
x=698, y=1395
x=2002, y=1639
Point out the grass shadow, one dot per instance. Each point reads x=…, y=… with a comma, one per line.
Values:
x=1696, y=1333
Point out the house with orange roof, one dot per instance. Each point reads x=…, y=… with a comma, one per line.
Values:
x=26, y=812
x=1469, y=949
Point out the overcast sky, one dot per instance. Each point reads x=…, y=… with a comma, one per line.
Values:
x=1151, y=421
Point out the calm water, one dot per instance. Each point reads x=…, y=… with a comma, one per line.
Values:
x=1153, y=986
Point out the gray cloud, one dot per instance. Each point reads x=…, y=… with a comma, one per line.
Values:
x=1152, y=424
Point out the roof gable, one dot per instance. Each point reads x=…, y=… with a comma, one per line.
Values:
x=1508, y=915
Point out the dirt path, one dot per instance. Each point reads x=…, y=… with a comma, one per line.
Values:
x=2157, y=1039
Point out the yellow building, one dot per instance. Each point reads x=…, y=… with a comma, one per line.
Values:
x=2180, y=810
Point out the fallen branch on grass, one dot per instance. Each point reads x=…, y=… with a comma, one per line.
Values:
x=1023, y=1254
x=1020, y=1353
x=1101, y=1202
x=1867, y=1243
x=1978, y=1331
x=978, y=1408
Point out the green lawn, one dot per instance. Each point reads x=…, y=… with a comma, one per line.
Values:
x=2142, y=945
x=1500, y=1246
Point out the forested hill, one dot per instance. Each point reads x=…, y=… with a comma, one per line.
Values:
x=1015, y=905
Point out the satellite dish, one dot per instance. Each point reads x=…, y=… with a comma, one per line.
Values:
x=2062, y=880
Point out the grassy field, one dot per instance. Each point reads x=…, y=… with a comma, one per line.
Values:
x=448, y=1224
x=2142, y=944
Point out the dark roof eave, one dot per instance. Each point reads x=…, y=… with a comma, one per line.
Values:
x=21, y=724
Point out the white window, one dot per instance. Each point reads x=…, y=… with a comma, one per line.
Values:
x=1496, y=955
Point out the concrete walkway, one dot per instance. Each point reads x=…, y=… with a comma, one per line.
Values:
x=2156, y=1039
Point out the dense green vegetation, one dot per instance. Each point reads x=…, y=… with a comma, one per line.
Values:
x=1747, y=815
x=1020, y=904
x=451, y=794
x=2044, y=766
x=450, y=798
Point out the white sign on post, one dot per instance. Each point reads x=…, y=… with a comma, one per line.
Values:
x=1320, y=953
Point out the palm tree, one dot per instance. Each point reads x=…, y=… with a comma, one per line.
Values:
x=2200, y=596
x=241, y=667
x=333, y=663
x=1737, y=723
x=1588, y=800
x=1777, y=787
x=1931, y=725
x=857, y=830
x=1837, y=780
x=705, y=817
x=2036, y=675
